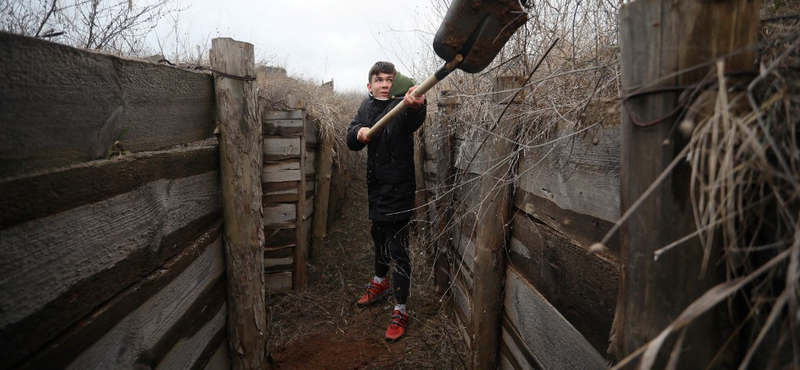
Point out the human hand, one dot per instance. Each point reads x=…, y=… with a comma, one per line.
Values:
x=411, y=101
x=362, y=135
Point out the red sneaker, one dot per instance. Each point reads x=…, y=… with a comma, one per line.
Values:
x=397, y=328
x=374, y=293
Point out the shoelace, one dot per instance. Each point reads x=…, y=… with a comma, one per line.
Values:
x=398, y=320
x=370, y=290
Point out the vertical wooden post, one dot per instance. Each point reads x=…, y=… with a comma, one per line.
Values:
x=322, y=192
x=666, y=44
x=300, y=277
x=445, y=138
x=239, y=124
x=491, y=234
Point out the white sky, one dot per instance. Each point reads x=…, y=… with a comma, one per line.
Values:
x=317, y=40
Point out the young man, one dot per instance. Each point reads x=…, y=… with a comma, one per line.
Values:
x=390, y=185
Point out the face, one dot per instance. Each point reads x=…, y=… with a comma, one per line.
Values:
x=380, y=85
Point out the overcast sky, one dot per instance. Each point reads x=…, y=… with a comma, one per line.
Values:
x=320, y=40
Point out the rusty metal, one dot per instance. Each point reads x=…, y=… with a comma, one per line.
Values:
x=477, y=30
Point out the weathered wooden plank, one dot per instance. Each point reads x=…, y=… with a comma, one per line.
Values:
x=322, y=191
x=578, y=173
x=513, y=347
x=281, y=148
x=189, y=350
x=280, y=238
x=584, y=229
x=46, y=263
x=311, y=162
x=82, y=334
x=220, y=359
x=130, y=340
x=278, y=282
x=65, y=106
x=552, y=339
x=582, y=286
x=46, y=193
x=286, y=171
x=301, y=249
x=279, y=187
x=275, y=115
x=279, y=259
x=311, y=134
x=279, y=213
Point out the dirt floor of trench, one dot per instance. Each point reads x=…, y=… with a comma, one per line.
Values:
x=321, y=328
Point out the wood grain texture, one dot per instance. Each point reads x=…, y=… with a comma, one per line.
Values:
x=141, y=330
x=241, y=145
x=46, y=264
x=322, y=193
x=578, y=173
x=281, y=171
x=220, y=360
x=45, y=193
x=62, y=106
x=552, y=339
x=581, y=286
x=185, y=353
x=584, y=229
x=669, y=44
x=282, y=148
x=81, y=334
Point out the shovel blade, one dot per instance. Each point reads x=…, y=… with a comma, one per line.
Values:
x=477, y=29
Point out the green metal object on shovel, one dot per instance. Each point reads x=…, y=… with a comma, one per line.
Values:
x=469, y=38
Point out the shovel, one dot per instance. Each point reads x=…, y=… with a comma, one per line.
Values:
x=470, y=36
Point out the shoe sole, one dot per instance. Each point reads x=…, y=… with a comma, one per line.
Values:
x=379, y=297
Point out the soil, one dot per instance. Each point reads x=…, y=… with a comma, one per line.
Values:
x=321, y=328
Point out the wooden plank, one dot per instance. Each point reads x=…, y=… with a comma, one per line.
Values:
x=42, y=194
x=279, y=238
x=119, y=240
x=584, y=229
x=81, y=334
x=241, y=166
x=579, y=173
x=187, y=352
x=278, y=282
x=279, y=213
x=282, y=123
x=301, y=250
x=220, y=359
x=517, y=353
x=312, y=134
x=132, y=339
x=282, y=148
x=285, y=171
x=293, y=114
x=311, y=163
x=279, y=259
x=582, y=286
x=279, y=187
x=66, y=106
x=551, y=337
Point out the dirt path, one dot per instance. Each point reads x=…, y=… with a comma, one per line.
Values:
x=322, y=328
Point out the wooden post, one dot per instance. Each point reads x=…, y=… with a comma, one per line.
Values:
x=490, y=236
x=300, y=277
x=666, y=44
x=322, y=193
x=240, y=140
x=445, y=139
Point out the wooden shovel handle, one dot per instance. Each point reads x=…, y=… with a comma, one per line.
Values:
x=426, y=85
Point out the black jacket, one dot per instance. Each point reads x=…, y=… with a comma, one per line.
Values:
x=390, y=158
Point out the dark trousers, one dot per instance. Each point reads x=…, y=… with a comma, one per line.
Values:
x=391, y=244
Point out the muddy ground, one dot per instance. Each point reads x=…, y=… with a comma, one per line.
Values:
x=321, y=328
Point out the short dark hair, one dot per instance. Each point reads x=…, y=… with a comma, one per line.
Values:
x=381, y=67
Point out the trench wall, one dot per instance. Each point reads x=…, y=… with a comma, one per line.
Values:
x=108, y=261
x=559, y=300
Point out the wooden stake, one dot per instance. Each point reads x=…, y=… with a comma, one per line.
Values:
x=666, y=44
x=239, y=124
x=490, y=238
x=322, y=194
